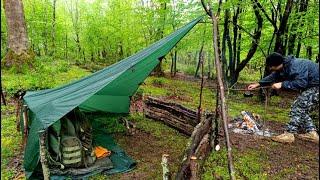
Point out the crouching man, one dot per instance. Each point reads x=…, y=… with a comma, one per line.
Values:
x=295, y=74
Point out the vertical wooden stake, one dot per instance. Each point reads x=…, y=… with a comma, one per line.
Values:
x=18, y=113
x=3, y=98
x=194, y=168
x=25, y=125
x=43, y=156
x=222, y=97
x=266, y=102
x=201, y=87
x=165, y=167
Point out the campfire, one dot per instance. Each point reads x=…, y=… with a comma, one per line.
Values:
x=249, y=123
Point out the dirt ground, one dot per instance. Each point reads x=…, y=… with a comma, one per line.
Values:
x=300, y=156
x=147, y=150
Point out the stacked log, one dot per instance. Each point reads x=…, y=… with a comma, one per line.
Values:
x=186, y=121
x=198, y=148
x=172, y=114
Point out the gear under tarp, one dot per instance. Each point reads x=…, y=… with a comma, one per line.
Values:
x=120, y=160
x=107, y=90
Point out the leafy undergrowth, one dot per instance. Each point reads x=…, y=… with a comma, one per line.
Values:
x=10, y=142
x=46, y=73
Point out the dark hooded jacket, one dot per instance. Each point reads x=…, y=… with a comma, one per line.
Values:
x=297, y=74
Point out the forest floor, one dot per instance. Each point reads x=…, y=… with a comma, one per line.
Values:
x=254, y=157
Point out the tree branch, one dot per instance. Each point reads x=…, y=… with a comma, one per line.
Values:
x=265, y=13
x=252, y=36
x=254, y=44
x=206, y=8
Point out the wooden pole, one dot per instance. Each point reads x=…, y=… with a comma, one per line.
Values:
x=43, y=156
x=165, y=167
x=194, y=168
x=25, y=125
x=201, y=87
x=3, y=98
x=222, y=96
x=214, y=19
x=266, y=102
x=18, y=113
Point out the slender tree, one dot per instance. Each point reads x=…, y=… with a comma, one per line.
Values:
x=53, y=32
x=233, y=78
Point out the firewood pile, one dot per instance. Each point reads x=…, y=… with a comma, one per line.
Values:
x=186, y=121
x=172, y=114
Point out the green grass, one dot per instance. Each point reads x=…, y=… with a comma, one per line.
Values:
x=10, y=141
x=248, y=165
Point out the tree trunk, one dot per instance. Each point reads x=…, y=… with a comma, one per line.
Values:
x=294, y=27
x=279, y=44
x=173, y=68
x=224, y=42
x=199, y=60
x=232, y=66
x=253, y=48
x=298, y=49
x=175, y=62
x=304, y=7
x=66, y=46
x=309, y=52
x=53, y=50
x=209, y=65
x=19, y=52
x=158, y=70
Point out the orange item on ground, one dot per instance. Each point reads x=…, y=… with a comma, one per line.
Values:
x=101, y=152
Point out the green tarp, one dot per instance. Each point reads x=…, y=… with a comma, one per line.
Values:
x=107, y=90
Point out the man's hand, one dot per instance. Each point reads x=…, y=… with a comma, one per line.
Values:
x=253, y=86
x=276, y=85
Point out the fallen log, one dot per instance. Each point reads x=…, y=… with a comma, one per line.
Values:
x=198, y=147
x=174, y=115
x=188, y=122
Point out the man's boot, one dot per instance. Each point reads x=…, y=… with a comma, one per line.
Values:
x=310, y=136
x=286, y=137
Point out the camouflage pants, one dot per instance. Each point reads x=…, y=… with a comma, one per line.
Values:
x=300, y=109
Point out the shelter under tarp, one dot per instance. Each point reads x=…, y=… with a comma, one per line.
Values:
x=107, y=90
